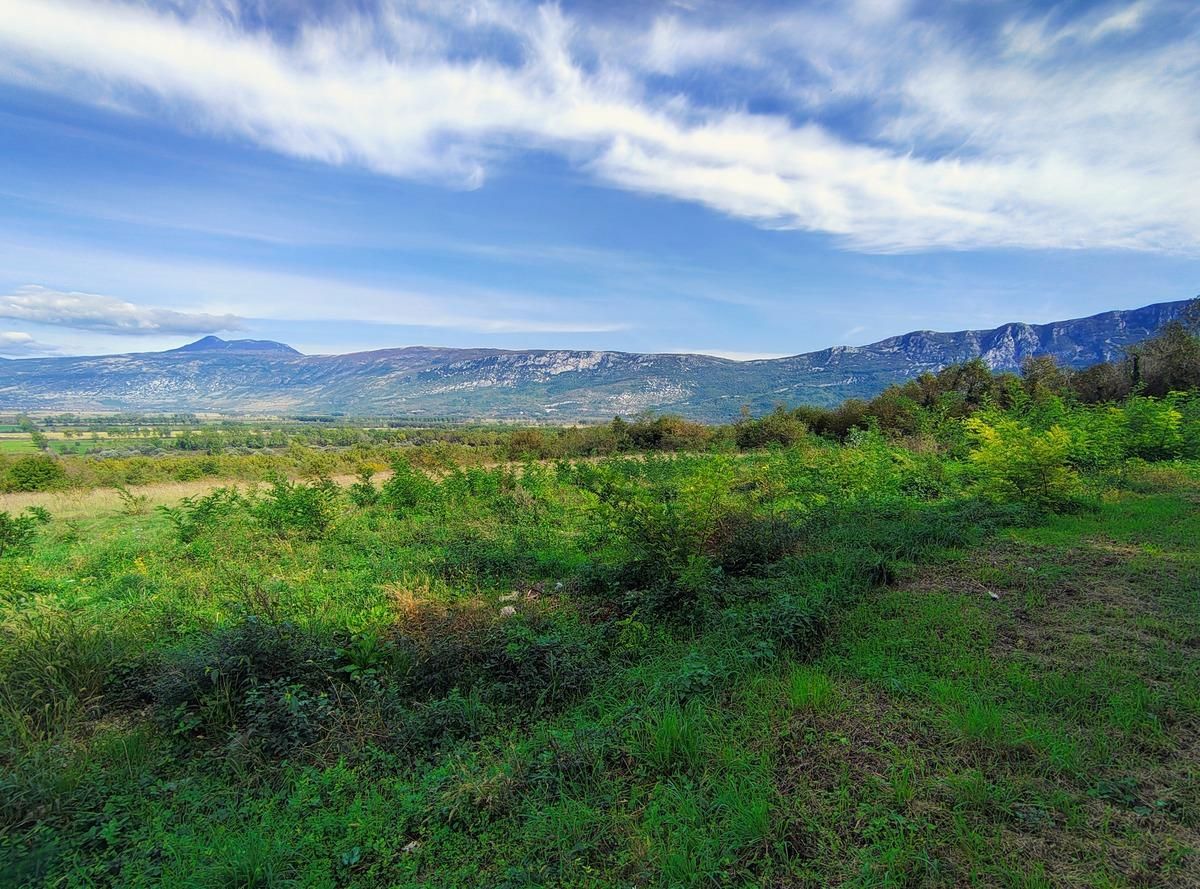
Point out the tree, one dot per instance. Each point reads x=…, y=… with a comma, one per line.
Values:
x=1042, y=377
x=1101, y=383
x=528, y=444
x=1190, y=316
x=620, y=433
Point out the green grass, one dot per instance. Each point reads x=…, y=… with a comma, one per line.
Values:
x=17, y=446
x=1044, y=740
x=808, y=666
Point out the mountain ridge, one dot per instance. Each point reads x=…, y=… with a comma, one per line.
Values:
x=216, y=344
x=263, y=376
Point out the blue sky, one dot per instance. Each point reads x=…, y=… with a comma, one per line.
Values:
x=743, y=179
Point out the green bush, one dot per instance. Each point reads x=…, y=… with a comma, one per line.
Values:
x=529, y=444
x=540, y=663
x=307, y=508
x=1020, y=463
x=1153, y=428
x=741, y=542
x=261, y=683
x=197, y=515
x=667, y=433
x=363, y=492
x=18, y=532
x=37, y=473
x=407, y=488
x=780, y=427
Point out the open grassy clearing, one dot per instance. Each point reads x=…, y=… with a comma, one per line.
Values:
x=1026, y=713
x=92, y=503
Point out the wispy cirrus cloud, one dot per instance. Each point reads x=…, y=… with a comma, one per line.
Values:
x=1025, y=132
x=106, y=314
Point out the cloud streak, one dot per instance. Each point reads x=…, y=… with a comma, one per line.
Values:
x=1033, y=134
x=18, y=344
x=106, y=314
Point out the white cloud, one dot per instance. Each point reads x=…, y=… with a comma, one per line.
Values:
x=1031, y=137
x=106, y=314
x=1040, y=36
x=18, y=344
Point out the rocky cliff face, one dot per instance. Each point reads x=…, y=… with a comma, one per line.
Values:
x=260, y=376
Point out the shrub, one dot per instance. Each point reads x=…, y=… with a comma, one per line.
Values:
x=18, y=532
x=39, y=473
x=131, y=503
x=741, y=541
x=444, y=646
x=440, y=721
x=667, y=433
x=1102, y=383
x=1170, y=360
x=781, y=427
x=528, y=444
x=474, y=555
x=1153, y=428
x=196, y=515
x=527, y=662
x=261, y=680
x=539, y=663
x=280, y=717
x=1099, y=438
x=298, y=506
x=836, y=422
x=363, y=492
x=784, y=622
x=650, y=522
x=407, y=488
x=1043, y=378
x=1016, y=462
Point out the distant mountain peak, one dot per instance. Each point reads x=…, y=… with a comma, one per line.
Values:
x=216, y=344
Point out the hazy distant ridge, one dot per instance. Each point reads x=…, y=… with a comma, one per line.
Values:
x=261, y=376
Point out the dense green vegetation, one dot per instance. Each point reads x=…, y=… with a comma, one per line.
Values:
x=951, y=642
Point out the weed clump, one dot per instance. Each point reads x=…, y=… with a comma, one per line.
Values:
x=256, y=684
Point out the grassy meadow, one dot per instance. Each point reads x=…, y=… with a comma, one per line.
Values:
x=946, y=639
